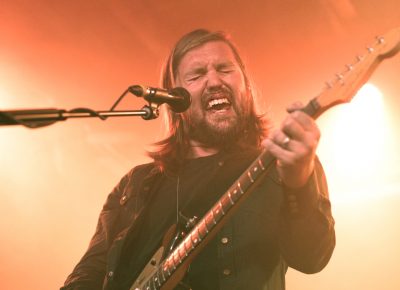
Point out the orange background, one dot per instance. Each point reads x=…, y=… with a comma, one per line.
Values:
x=68, y=54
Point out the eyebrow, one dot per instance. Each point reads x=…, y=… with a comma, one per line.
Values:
x=226, y=64
x=199, y=68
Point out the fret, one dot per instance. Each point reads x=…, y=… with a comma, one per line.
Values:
x=202, y=230
x=256, y=172
x=221, y=207
x=201, y=236
x=240, y=188
x=218, y=212
x=210, y=221
x=185, y=250
x=251, y=177
x=213, y=216
x=177, y=258
x=226, y=202
x=188, y=244
x=205, y=226
x=261, y=164
x=181, y=253
x=166, y=267
x=193, y=240
x=230, y=198
x=171, y=264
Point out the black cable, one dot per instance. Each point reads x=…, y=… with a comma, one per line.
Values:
x=119, y=100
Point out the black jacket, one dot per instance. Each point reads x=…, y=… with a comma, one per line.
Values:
x=273, y=229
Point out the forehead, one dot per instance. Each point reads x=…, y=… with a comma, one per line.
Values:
x=214, y=52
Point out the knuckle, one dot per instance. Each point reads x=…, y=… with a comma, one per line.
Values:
x=318, y=133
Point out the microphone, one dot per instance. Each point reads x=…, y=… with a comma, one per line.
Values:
x=178, y=99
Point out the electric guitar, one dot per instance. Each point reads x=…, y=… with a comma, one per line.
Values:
x=167, y=268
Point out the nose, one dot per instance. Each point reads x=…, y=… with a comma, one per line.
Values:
x=213, y=80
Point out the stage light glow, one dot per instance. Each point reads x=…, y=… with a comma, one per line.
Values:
x=4, y=99
x=357, y=142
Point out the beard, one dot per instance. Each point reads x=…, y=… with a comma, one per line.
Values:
x=217, y=133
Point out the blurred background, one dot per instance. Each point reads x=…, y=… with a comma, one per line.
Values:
x=68, y=54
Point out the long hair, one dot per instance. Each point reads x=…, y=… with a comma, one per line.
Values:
x=170, y=152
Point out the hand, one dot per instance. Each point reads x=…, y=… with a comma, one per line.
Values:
x=294, y=146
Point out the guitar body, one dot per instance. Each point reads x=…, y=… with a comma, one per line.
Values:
x=171, y=237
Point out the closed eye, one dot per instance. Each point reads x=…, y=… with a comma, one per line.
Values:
x=226, y=71
x=193, y=78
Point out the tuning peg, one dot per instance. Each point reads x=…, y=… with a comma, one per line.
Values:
x=349, y=67
x=328, y=84
x=380, y=39
x=370, y=49
x=339, y=77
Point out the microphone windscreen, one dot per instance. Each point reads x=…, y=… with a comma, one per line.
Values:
x=182, y=100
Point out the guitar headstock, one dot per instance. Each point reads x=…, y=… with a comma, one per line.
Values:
x=346, y=84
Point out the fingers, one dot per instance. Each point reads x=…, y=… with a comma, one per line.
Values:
x=295, y=107
x=294, y=145
x=296, y=140
x=281, y=146
x=301, y=127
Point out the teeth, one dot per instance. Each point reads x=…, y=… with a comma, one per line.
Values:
x=217, y=102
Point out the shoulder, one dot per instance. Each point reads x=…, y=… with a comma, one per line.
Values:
x=128, y=184
x=140, y=170
x=137, y=175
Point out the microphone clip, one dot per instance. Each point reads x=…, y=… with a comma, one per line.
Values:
x=178, y=99
x=152, y=110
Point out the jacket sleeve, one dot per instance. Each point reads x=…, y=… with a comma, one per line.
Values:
x=307, y=235
x=90, y=271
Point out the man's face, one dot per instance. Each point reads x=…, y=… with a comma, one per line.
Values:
x=216, y=83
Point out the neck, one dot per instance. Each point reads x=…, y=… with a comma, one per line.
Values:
x=198, y=149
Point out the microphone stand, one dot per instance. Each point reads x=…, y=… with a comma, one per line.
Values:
x=35, y=118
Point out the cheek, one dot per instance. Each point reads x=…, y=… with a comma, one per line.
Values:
x=195, y=90
x=238, y=82
x=196, y=94
x=196, y=108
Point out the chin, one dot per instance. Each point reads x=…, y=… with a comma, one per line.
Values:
x=223, y=128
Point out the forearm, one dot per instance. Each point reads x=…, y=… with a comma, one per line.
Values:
x=90, y=270
x=307, y=236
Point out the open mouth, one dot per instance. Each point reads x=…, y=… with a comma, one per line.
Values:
x=218, y=104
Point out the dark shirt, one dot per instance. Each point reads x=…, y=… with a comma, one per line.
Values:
x=179, y=197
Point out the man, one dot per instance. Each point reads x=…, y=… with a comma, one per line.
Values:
x=285, y=222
